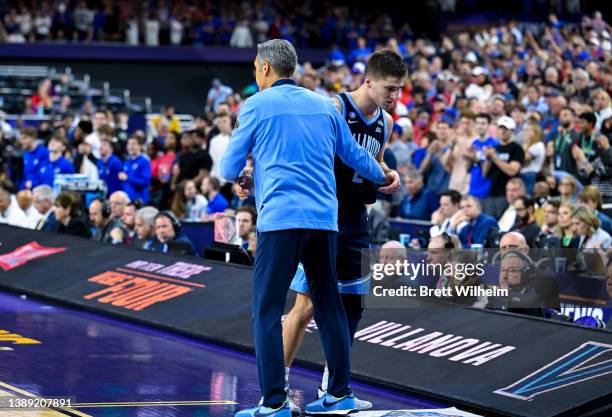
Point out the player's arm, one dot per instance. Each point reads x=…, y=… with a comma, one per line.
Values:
x=391, y=175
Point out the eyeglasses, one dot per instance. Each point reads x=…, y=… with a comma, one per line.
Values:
x=508, y=271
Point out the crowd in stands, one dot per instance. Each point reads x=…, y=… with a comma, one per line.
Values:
x=198, y=23
x=507, y=129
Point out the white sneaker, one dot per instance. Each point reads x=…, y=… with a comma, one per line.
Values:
x=360, y=405
x=295, y=410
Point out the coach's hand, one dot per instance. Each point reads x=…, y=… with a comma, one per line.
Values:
x=243, y=193
x=393, y=182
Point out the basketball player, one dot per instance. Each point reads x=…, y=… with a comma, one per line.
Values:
x=371, y=125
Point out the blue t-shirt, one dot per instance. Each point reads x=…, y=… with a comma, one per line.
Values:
x=479, y=184
x=109, y=173
x=60, y=166
x=217, y=204
x=138, y=172
x=33, y=161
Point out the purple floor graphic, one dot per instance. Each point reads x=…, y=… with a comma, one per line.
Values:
x=109, y=368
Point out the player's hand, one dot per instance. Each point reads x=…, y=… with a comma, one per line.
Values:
x=393, y=182
x=122, y=176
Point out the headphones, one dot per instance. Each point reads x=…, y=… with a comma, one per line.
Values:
x=176, y=223
x=528, y=273
x=448, y=241
x=105, y=210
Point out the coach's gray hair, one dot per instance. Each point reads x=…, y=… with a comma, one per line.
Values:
x=44, y=192
x=281, y=56
x=147, y=214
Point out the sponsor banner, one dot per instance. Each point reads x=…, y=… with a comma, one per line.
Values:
x=491, y=363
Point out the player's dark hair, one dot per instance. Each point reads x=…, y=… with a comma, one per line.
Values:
x=385, y=63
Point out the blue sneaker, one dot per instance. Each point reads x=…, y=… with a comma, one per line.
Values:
x=261, y=411
x=328, y=404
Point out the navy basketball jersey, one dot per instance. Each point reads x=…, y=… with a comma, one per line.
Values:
x=371, y=135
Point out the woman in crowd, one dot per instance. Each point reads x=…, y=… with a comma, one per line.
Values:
x=535, y=153
x=187, y=203
x=567, y=190
x=67, y=210
x=564, y=222
x=587, y=230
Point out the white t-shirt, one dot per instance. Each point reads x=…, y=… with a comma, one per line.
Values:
x=216, y=149
x=152, y=33
x=176, y=32
x=538, y=152
x=94, y=140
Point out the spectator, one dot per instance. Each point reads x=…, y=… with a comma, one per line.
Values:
x=194, y=163
x=525, y=220
x=568, y=188
x=109, y=165
x=480, y=184
x=218, y=144
x=602, y=106
x=459, y=163
x=419, y=203
x=187, y=203
x=58, y=164
x=551, y=216
x=444, y=217
x=151, y=29
x=587, y=230
x=587, y=142
x=434, y=165
x=166, y=122
x=67, y=210
x=10, y=213
x=118, y=201
x=43, y=207
x=565, y=143
x=211, y=188
x=565, y=230
x=591, y=197
x=241, y=37
x=378, y=225
x=168, y=236
x=35, y=157
x=247, y=219
x=161, y=169
x=129, y=219
x=598, y=169
x=99, y=119
x=144, y=226
x=503, y=163
x=472, y=225
x=136, y=174
x=361, y=53
x=535, y=153
x=515, y=188
x=216, y=95
x=100, y=217
x=460, y=279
